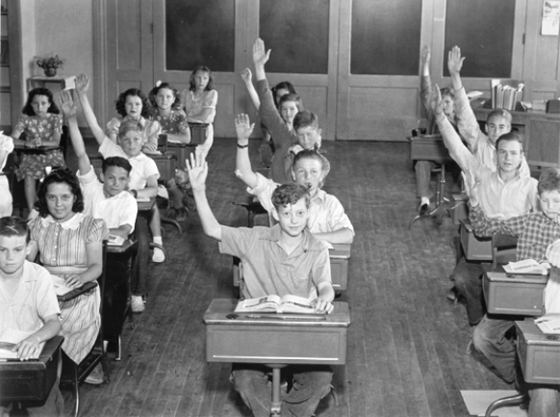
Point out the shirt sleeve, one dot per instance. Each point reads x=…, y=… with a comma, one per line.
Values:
x=321, y=270
x=236, y=240
x=467, y=123
x=97, y=231
x=6, y=143
x=150, y=168
x=458, y=151
x=425, y=92
x=113, y=126
x=269, y=115
x=485, y=227
x=338, y=219
x=22, y=123
x=263, y=191
x=180, y=122
x=109, y=148
x=211, y=100
x=129, y=212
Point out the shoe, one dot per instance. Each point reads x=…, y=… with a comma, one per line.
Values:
x=96, y=376
x=137, y=304
x=424, y=209
x=158, y=256
x=181, y=214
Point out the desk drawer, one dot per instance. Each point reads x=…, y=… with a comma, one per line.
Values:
x=476, y=248
x=521, y=296
x=539, y=354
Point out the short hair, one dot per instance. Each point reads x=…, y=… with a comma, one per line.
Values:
x=291, y=97
x=446, y=91
x=209, y=86
x=64, y=176
x=116, y=161
x=313, y=154
x=549, y=180
x=14, y=226
x=306, y=118
x=499, y=113
x=154, y=91
x=133, y=92
x=28, y=109
x=290, y=194
x=284, y=85
x=131, y=125
x=510, y=137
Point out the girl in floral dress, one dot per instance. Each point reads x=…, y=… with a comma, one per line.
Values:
x=42, y=125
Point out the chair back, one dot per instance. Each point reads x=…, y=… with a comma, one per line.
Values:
x=198, y=132
x=162, y=143
x=166, y=165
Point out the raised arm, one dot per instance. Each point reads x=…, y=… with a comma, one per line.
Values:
x=260, y=58
x=246, y=76
x=197, y=168
x=69, y=108
x=425, y=81
x=244, y=172
x=82, y=85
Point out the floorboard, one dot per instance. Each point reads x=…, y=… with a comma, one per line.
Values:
x=406, y=344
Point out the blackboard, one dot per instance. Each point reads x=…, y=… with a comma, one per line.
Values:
x=385, y=37
x=483, y=30
x=200, y=32
x=297, y=31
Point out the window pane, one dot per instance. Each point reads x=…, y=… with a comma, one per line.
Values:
x=484, y=31
x=200, y=32
x=385, y=37
x=297, y=31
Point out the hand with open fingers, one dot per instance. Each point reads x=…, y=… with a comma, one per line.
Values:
x=436, y=101
x=243, y=128
x=28, y=348
x=455, y=61
x=260, y=54
x=82, y=83
x=197, y=168
x=323, y=306
x=67, y=103
x=74, y=281
x=471, y=183
x=246, y=75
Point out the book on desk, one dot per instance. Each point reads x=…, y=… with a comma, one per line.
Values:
x=276, y=304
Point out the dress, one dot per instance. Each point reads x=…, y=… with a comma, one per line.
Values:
x=176, y=123
x=6, y=206
x=194, y=106
x=151, y=130
x=42, y=128
x=63, y=252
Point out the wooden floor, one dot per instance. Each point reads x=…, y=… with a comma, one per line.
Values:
x=407, y=343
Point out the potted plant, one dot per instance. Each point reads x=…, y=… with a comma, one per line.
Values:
x=50, y=63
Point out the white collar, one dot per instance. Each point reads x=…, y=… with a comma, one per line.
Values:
x=70, y=224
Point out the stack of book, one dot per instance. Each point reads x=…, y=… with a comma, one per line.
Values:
x=506, y=93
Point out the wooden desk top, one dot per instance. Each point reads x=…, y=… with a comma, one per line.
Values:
x=429, y=148
x=146, y=205
x=127, y=244
x=51, y=347
x=35, y=150
x=275, y=338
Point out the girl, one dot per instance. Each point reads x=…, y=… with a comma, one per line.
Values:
x=42, y=125
x=133, y=105
x=266, y=149
x=199, y=102
x=173, y=120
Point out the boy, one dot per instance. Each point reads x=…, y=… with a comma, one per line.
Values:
x=143, y=183
x=498, y=121
x=327, y=219
x=536, y=233
x=28, y=303
x=502, y=194
x=423, y=169
x=284, y=259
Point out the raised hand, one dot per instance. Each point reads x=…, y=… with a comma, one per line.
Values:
x=243, y=128
x=436, y=102
x=246, y=75
x=82, y=83
x=455, y=61
x=426, y=55
x=197, y=169
x=260, y=54
x=67, y=103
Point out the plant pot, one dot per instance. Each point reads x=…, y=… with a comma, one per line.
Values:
x=50, y=72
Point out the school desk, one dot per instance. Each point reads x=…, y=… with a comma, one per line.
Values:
x=183, y=150
x=275, y=340
x=339, y=256
x=31, y=380
x=539, y=354
x=144, y=205
x=431, y=148
x=518, y=295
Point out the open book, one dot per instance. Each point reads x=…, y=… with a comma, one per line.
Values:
x=277, y=304
x=527, y=267
x=9, y=338
x=549, y=323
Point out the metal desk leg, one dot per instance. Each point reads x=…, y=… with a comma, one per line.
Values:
x=439, y=208
x=276, y=404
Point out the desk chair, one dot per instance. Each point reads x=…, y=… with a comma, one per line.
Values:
x=75, y=374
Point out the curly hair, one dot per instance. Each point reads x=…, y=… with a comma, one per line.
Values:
x=60, y=176
x=133, y=92
x=154, y=91
x=28, y=109
x=290, y=194
x=202, y=68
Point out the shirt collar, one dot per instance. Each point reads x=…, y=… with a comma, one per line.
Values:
x=309, y=241
x=321, y=195
x=71, y=224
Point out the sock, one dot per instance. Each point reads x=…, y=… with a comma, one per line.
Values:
x=424, y=200
x=159, y=240
x=158, y=255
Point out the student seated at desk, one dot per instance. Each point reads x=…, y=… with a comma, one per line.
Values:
x=498, y=122
x=284, y=259
x=28, y=304
x=423, y=169
x=502, y=193
x=536, y=233
x=327, y=219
